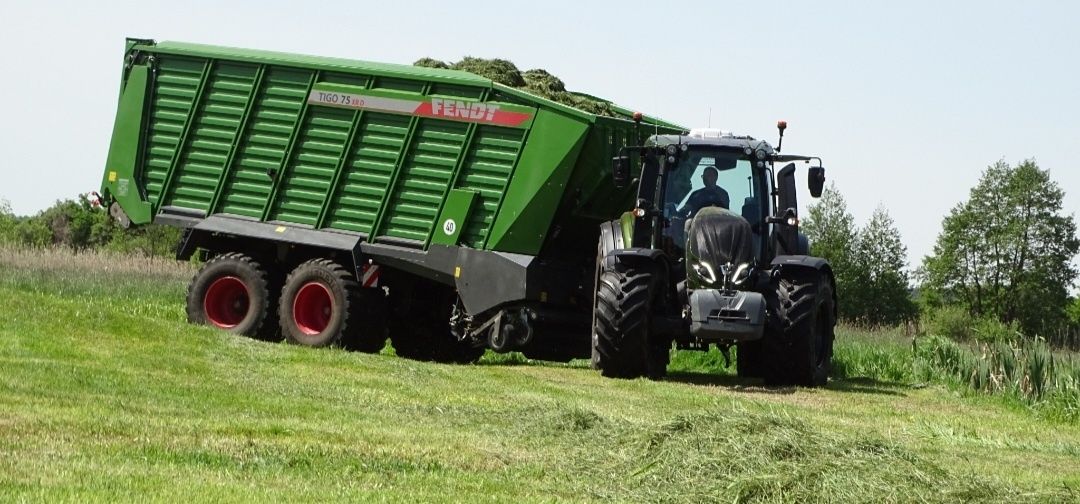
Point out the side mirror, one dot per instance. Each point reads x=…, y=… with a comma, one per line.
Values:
x=620, y=171
x=815, y=178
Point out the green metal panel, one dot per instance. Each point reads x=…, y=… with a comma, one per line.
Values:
x=537, y=184
x=379, y=150
x=424, y=176
x=212, y=133
x=175, y=88
x=119, y=180
x=262, y=149
x=366, y=177
x=486, y=170
x=459, y=203
x=245, y=121
x=282, y=175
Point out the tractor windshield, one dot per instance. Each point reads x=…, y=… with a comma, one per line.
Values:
x=706, y=177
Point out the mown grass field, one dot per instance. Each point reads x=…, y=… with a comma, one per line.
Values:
x=107, y=394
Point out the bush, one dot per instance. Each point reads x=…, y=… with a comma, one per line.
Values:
x=79, y=225
x=952, y=322
x=991, y=330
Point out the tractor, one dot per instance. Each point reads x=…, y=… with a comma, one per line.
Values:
x=711, y=255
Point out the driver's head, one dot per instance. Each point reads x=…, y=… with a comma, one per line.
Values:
x=709, y=176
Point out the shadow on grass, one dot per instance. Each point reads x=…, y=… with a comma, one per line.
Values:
x=856, y=385
x=864, y=385
x=732, y=382
x=757, y=386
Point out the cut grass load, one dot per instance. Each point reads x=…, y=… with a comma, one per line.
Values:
x=108, y=394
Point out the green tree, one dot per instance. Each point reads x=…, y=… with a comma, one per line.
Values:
x=1007, y=251
x=881, y=257
x=830, y=227
x=8, y=223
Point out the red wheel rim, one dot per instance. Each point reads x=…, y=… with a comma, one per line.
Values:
x=226, y=302
x=312, y=308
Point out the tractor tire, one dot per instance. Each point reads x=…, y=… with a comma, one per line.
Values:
x=622, y=314
x=233, y=292
x=611, y=239
x=798, y=345
x=322, y=305
x=750, y=359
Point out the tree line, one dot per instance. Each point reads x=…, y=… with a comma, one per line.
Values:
x=80, y=225
x=1001, y=267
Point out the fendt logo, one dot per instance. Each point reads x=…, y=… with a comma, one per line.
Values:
x=463, y=110
x=442, y=108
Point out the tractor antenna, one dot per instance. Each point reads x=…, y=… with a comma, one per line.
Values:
x=708, y=123
x=780, y=125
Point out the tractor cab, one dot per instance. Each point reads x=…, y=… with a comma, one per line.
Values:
x=710, y=174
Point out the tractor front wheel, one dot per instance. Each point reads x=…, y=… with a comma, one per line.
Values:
x=622, y=313
x=798, y=345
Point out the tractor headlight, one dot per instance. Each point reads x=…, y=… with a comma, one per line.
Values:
x=705, y=271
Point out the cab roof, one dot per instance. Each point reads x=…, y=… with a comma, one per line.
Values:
x=727, y=142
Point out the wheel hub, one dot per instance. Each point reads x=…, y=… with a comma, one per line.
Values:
x=312, y=308
x=226, y=302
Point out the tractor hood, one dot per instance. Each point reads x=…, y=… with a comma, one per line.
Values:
x=717, y=237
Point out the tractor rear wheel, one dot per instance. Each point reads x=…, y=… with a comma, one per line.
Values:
x=322, y=305
x=232, y=292
x=798, y=345
x=622, y=313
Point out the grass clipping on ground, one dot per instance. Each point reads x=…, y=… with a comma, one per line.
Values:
x=109, y=395
x=536, y=81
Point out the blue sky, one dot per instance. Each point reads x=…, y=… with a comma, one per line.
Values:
x=906, y=102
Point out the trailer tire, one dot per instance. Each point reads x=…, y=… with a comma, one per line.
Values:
x=622, y=315
x=232, y=292
x=322, y=305
x=798, y=348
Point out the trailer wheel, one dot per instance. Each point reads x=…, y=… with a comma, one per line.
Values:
x=622, y=314
x=322, y=305
x=231, y=292
x=798, y=348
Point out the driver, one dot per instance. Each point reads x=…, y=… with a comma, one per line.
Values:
x=709, y=195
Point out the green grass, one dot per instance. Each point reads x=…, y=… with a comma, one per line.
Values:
x=107, y=394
